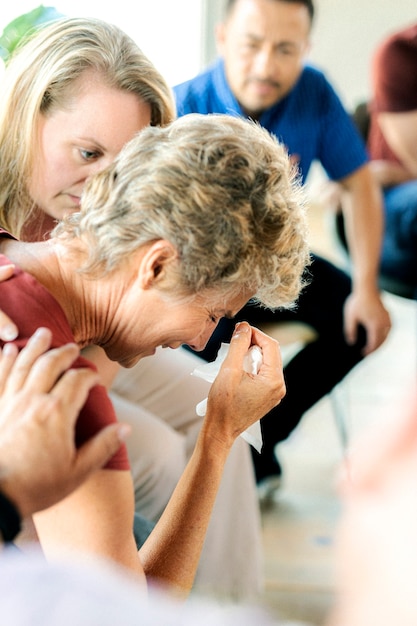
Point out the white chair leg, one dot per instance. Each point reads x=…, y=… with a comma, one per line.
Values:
x=339, y=402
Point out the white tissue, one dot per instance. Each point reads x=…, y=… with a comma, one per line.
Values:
x=251, y=364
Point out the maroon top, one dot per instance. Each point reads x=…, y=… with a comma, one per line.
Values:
x=394, y=77
x=30, y=306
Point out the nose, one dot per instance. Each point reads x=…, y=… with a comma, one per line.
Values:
x=199, y=343
x=264, y=64
x=99, y=165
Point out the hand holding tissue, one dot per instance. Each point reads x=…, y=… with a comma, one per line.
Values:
x=209, y=371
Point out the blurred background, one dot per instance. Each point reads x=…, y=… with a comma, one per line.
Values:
x=178, y=36
x=298, y=529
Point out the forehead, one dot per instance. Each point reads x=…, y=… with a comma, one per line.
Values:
x=269, y=19
x=225, y=304
x=96, y=111
x=89, y=89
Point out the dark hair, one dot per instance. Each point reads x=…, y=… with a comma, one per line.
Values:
x=307, y=3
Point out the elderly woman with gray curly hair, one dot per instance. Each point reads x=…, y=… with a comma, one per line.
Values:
x=189, y=223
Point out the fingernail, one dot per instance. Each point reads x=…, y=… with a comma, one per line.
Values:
x=124, y=431
x=241, y=327
x=9, y=348
x=41, y=333
x=9, y=332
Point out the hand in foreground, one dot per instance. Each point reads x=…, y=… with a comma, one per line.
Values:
x=377, y=540
x=40, y=403
x=238, y=399
x=8, y=330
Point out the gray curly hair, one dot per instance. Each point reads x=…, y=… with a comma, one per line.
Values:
x=219, y=188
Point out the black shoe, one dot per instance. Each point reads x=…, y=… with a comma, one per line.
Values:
x=265, y=464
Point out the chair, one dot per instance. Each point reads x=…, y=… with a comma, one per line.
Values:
x=292, y=337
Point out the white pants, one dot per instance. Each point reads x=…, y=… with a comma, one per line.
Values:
x=158, y=398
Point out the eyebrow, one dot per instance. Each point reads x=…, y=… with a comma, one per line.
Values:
x=91, y=140
x=278, y=44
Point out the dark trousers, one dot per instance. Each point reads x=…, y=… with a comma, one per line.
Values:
x=318, y=367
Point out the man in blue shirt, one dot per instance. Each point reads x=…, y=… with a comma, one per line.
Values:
x=261, y=74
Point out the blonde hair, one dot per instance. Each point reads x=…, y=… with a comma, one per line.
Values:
x=40, y=78
x=219, y=188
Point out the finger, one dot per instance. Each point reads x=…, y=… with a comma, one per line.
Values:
x=372, y=341
x=8, y=357
x=240, y=342
x=6, y=271
x=72, y=390
x=38, y=343
x=97, y=451
x=8, y=330
x=40, y=375
x=271, y=354
x=350, y=332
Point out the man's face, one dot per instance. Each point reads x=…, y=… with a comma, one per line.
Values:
x=263, y=43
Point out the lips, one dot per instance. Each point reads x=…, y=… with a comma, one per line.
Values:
x=76, y=200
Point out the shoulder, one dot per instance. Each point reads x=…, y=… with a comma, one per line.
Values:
x=193, y=95
x=394, y=72
x=399, y=45
x=30, y=306
x=397, y=53
x=316, y=94
x=316, y=80
x=97, y=413
x=201, y=81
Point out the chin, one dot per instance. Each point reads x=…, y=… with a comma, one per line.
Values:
x=128, y=363
x=131, y=361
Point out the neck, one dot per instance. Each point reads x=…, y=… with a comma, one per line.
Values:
x=76, y=294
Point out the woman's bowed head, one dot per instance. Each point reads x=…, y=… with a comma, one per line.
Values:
x=189, y=222
x=212, y=208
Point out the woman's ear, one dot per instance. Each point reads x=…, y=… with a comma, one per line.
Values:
x=154, y=263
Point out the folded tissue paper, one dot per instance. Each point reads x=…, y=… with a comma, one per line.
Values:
x=251, y=364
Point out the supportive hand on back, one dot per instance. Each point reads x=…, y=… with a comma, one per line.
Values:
x=40, y=401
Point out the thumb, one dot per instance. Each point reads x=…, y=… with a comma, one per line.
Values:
x=240, y=342
x=95, y=453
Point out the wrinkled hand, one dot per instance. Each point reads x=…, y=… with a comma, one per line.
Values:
x=368, y=310
x=40, y=402
x=8, y=330
x=237, y=399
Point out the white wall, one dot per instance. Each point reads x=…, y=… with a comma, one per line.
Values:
x=171, y=33
x=345, y=34
x=168, y=32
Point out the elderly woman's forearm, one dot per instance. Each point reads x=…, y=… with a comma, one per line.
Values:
x=171, y=553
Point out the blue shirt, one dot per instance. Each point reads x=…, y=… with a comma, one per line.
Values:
x=311, y=120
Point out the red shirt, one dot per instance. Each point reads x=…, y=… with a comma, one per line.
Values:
x=394, y=77
x=30, y=306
